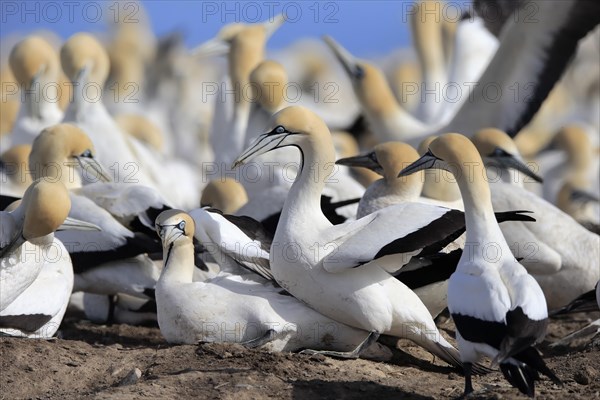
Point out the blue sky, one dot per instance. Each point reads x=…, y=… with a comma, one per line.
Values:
x=367, y=28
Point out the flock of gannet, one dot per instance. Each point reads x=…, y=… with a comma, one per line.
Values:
x=244, y=216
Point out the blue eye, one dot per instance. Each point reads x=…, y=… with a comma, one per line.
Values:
x=280, y=129
x=181, y=226
x=86, y=154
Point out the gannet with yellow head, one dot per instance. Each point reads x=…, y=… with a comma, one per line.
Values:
x=498, y=308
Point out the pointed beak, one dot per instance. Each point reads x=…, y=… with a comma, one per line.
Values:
x=348, y=61
x=16, y=241
x=92, y=166
x=272, y=26
x=72, y=224
x=261, y=145
x=211, y=48
x=427, y=161
x=364, y=161
x=506, y=161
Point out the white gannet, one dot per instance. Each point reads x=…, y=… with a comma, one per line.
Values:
x=565, y=265
x=85, y=62
x=230, y=308
x=322, y=264
x=113, y=256
x=36, y=67
x=36, y=276
x=245, y=47
x=499, y=310
x=387, y=119
x=28, y=236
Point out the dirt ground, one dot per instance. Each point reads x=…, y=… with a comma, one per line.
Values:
x=96, y=361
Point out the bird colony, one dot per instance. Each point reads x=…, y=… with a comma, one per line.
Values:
x=222, y=209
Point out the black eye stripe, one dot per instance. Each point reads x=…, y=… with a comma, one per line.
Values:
x=86, y=154
x=359, y=72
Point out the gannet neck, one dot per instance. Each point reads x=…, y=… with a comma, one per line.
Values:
x=317, y=164
x=179, y=262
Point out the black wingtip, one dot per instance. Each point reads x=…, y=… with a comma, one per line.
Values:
x=518, y=215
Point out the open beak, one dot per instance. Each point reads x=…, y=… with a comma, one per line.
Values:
x=91, y=165
x=365, y=161
x=261, y=145
x=72, y=224
x=427, y=161
x=16, y=241
x=506, y=160
x=348, y=61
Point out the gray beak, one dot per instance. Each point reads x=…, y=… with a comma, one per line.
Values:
x=93, y=167
x=506, y=160
x=427, y=161
x=364, y=161
x=72, y=224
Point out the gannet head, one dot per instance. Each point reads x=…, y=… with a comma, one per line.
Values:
x=498, y=149
x=451, y=152
x=43, y=208
x=386, y=159
x=436, y=186
x=220, y=44
x=369, y=82
x=64, y=145
x=84, y=59
x=269, y=80
x=142, y=129
x=227, y=195
x=292, y=126
x=34, y=60
x=174, y=227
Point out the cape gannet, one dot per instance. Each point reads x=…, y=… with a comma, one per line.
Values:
x=230, y=308
x=499, y=310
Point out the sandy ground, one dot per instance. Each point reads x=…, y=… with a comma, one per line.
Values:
x=96, y=361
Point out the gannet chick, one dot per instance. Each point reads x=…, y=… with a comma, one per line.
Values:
x=226, y=194
x=564, y=265
x=36, y=67
x=230, y=308
x=498, y=308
